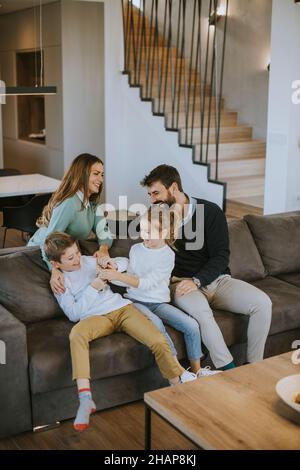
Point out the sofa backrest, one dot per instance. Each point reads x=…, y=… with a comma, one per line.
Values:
x=278, y=241
x=245, y=261
x=259, y=246
x=24, y=287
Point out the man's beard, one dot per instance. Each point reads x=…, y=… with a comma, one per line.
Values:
x=169, y=201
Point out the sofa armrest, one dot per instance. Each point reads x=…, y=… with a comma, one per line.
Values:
x=15, y=404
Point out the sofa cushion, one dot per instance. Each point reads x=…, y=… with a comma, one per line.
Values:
x=293, y=278
x=50, y=359
x=24, y=287
x=245, y=260
x=286, y=304
x=233, y=326
x=278, y=242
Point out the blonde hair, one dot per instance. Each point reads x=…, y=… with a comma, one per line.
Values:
x=165, y=219
x=56, y=244
x=75, y=179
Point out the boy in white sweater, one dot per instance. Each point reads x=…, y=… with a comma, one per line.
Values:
x=88, y=300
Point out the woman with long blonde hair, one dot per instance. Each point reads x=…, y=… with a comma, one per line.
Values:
x=75, y=209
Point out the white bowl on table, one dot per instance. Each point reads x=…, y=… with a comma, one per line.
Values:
x=288, y=388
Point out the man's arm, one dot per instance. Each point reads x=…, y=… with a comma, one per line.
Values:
x=217, y=242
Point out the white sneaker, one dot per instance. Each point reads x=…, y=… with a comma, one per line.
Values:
x=206, y=371
x=187, y=377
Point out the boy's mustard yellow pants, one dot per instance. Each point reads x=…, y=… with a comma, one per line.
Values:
x=127, y=320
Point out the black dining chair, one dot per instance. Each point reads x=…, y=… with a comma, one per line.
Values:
x=24, y=217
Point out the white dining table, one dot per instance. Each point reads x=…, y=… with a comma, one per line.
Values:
x=22, y=185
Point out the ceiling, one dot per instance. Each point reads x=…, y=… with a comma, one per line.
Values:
x=9, y=6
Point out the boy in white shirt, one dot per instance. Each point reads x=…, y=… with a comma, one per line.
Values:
x=88, y=300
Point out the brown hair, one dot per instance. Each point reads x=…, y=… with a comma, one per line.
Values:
x=56, y=244
x=166, y=218
x=166, y=174
x=75, y=179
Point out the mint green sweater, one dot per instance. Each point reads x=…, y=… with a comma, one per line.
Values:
x=68, y=217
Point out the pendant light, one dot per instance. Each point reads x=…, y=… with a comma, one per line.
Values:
x=39, y=88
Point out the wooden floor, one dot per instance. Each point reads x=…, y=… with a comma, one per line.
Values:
x=13, y=237
x=120, y=428
x=237, y=210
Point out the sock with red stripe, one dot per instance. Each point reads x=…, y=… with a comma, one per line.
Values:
x=86, y=407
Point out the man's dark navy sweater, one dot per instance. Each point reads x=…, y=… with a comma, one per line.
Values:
x=212, y=260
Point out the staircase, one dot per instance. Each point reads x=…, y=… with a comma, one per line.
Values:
x=189, y=94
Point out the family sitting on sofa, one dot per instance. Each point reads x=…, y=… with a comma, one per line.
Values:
x=170, y=263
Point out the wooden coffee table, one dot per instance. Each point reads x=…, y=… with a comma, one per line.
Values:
x=236, y=410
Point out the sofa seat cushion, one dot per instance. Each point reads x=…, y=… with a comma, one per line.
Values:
x=245, y=261
x=286, y=304
x=50, y=360
x=292, y=278
x=24, y=287
x=233, y=327
x=278, y=242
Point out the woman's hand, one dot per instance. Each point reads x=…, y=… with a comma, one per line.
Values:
x=108, y=274
x=57, y=281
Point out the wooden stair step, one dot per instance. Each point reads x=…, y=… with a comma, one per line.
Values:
x=155, y=87
x=233, y=168
x=183, y=104
x=234, y=150
x=245, y=186
x=161, y=51
x=168, y=85
x=191, y=86
x=141, y=39
x=181, y=65
x=227, y=134
x=228, y=119
x=190, y=79
x=251, y=203
x=154, y=93
x=237, y=210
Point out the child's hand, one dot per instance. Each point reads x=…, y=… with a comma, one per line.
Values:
x=108, y=274
x=98, y=284
x=106, y=262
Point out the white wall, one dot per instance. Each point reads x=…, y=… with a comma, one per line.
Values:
x=83, y=78
x=136, y=141
x=17, y=34
x=283, y=152
x=246, y=78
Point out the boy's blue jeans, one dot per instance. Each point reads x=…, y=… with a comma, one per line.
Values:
x=172, y=316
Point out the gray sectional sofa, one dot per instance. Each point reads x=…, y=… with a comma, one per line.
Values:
x=36, y=387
